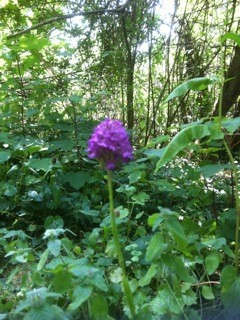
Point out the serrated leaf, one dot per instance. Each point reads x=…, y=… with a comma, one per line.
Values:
x=166, y=302
x=98, y=307
x=62, y=281
x=212, y=262
x=80, y=295
x=54, y=247
x=46, y=312
x=207, y=293
x=135, y=176
x=181, y=141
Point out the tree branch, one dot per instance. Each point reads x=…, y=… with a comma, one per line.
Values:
x=101, y=11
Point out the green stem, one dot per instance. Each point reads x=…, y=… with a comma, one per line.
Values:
x=233, y=164
x=125, y=283
x=237, y=193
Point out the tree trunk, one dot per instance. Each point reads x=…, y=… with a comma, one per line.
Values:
x=231, y=88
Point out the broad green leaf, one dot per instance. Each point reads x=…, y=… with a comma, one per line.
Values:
x=210, y=170
x=230, y=290
x=196, y=84
x=4, y=156
x=53, y=222
x=54, y=247
x=228, y=277
x=152, y=271
x=231, y=125
x=140, y=198
x=46, y=312
x=77, y=179
x=156, y=247
x=98, y=307
x=135, y=176
x=10, y=191
x=166, y=302
x=62, y=281
x=212, y=262
x=154, y=220
x=207, y=293
x=182, y=271
x=80, y=295
x=232, y=36
x=181, y=141
x=43, y=260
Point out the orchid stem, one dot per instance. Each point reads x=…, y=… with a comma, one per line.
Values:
x=125, y=283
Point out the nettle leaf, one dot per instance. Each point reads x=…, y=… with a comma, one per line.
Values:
x=181, y=141
x=166, y=302
x=135, y=176
x=230, y=35
x=196, y=84
x=62, y=281
x=77, y=179
x=46, y=312
x=80, y=295
x=98, y=307
x=54, y=247
x=5, y=156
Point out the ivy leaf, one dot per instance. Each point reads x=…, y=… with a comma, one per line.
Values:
x=40, y=164
x=77, y=179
